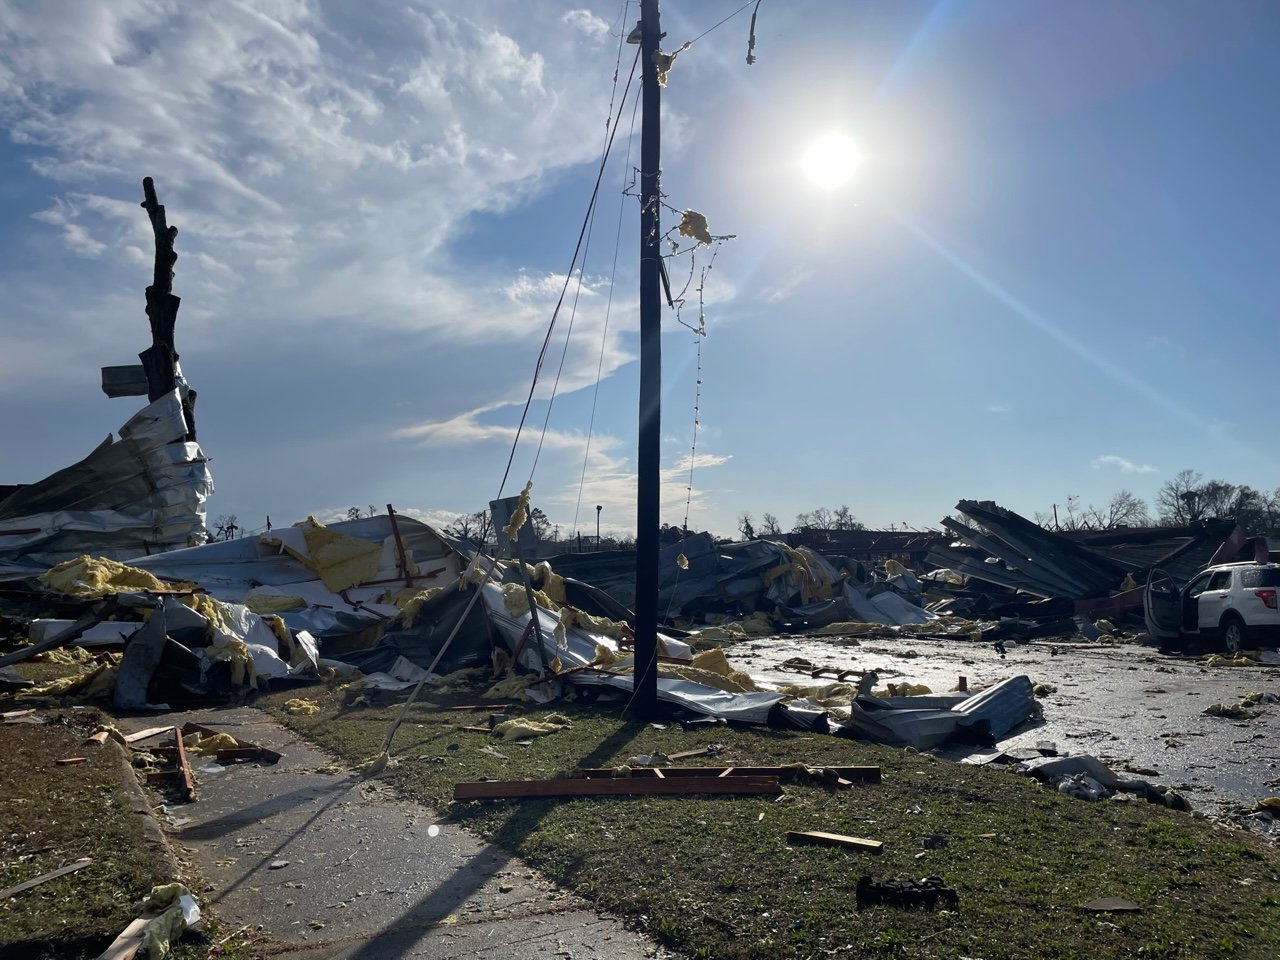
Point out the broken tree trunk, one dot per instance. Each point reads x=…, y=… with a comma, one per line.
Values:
x=160, y=360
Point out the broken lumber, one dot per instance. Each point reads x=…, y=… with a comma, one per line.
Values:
x=184, y=768
x=848, y=774
x=90, y=618
x=618, y=787
x=70, y=761
x=244, y=750
x=129, y=942
x=834, y=840
x=688, y=754
x=146, y=734
x=51, y=875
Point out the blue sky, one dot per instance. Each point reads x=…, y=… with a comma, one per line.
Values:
x=1051, y=275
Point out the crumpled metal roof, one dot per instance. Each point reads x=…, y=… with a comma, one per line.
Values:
x=140, y=494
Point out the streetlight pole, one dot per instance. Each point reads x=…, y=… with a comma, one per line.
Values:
x=598, y=509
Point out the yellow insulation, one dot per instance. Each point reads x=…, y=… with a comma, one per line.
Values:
x=262, y=603
x=97, y=577
x=521, y=512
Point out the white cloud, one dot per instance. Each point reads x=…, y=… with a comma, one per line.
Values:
x=465, y=429
x=324, y=159
x=999, y=408
x=783, y=289
x=586, y=21
x=75, y=235
x=1121, y=464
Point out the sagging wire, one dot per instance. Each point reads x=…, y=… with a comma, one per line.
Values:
x=608, y=309
x=699, y=334
x=665, y=61
x=610, y=127
x=473, y=571
x=751, y=38
x=542, y=353
x=727, y=19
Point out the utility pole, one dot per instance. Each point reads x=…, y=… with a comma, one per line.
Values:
x=648, y=455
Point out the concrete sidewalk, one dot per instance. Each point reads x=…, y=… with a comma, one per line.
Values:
x=362, y=874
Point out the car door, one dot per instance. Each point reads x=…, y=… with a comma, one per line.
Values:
x=1213, y=601
x=1191, y=602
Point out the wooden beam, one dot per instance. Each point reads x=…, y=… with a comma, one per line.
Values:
x=834, y=840
x=146, y=734
x=129, y=942
x=619, y=787
x=850, y=774
x=184, y=768
x=687, y=754
x=51, y=875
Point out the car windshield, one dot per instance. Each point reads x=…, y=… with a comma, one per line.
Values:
x=1262, y=577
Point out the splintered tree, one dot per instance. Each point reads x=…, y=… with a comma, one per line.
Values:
x=160, y=360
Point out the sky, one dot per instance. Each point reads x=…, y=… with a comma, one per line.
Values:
x=1051, y=274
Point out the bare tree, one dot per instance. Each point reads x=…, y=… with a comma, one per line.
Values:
x=541, y=524
x=744, y=526
x=770, y=527
x=470, y=526
x=226, y=527
x=1178, y=501
x=818, y=519
x=1123, y=510
x=842, y=519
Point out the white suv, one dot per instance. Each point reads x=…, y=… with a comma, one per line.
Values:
x=1233, y=603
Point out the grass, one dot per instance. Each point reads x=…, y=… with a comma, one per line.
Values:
x=52, y=815
x=714, y=877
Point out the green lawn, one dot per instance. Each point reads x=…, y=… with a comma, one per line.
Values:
x=714, y=876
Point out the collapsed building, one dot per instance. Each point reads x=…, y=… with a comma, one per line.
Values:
x=112, y=553
x=140, y=492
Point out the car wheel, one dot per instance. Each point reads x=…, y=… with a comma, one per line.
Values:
x=1233, y=633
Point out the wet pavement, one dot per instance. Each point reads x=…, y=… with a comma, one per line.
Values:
x=1128, y=705
x=332, y=866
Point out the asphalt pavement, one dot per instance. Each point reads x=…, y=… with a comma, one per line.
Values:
x=324, y=864
x=1128, y=705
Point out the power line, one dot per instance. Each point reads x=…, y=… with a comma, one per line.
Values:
x=542, y=353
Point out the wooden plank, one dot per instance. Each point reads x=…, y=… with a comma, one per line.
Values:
x=850, y=774
x=184, y=768
x=658, y=773
x=619, y=787
x=475, y=728
x=15, y=714
x=99, y=738
x=71, y=761
x=834, y=840
x=51, y=875
x=146, y=734
x=687, y=754
x=126, y=946
x=726, y=772
x=493, y=707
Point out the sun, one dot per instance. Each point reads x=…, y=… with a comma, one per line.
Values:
x=831, y=160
